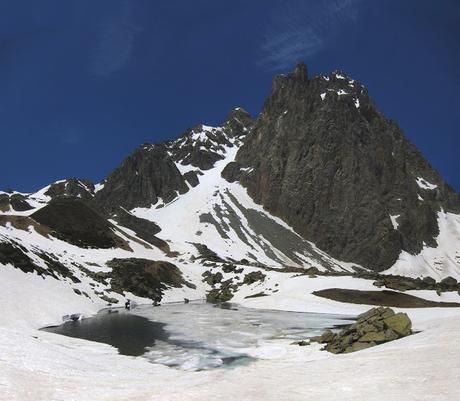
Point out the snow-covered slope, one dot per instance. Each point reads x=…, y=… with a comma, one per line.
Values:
x=213, y=213
x=439, y=262
x=223, y=217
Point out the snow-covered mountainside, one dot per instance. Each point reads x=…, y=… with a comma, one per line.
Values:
x=319, y=192
x=214, y=220
x=238, y=194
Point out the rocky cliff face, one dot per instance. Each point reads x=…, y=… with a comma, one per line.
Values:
x=144, y=177
x=166, y=170
x=322, y=157
x=72, y=187
x=202, y=146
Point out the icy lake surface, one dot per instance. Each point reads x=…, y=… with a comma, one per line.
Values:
x=198, y=336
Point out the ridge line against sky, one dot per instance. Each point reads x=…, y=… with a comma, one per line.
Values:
x=85, y=83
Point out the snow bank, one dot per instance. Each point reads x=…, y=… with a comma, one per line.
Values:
x=439, y=262
x=39, y=366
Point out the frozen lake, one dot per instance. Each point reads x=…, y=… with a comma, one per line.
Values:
x=198, y=336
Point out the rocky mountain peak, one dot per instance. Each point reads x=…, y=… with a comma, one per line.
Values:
x=324, y=159
x=163, y=171
x=238, y=123
x=142, y=179
x=294, y=82
x=71, y=187
x=300, y=72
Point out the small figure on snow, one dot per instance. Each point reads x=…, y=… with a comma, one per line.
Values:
x=128, y=304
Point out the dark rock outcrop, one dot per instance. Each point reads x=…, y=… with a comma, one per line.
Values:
x=144, y=229
x=71, y=187
x=238, y=123
x=401, y=283
x=254, y=277
x=192, y=178
x=72, y=220
x=321, y=157
x=381, y=298
x=219, y=295
x=144, y=177
x=13, y=253
x=200, y=147
x=150, y=173
x=13, y=202
x=376, y=326
x=144, y=278
x=203, y=146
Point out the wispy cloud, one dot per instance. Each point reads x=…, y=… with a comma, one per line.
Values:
x=302, y=28
x=115, y=42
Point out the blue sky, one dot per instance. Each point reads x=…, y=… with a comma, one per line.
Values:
x=85, y=82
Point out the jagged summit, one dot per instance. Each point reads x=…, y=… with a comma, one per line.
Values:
x=166, y=170
x=340, y=173
x=238, y=122
x=301, y=72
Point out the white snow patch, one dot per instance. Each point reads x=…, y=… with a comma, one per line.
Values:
x=323, y=95
x=247, y=170
x=98, y=187
x=394, y=221
x=439, y=262
x=424, y=184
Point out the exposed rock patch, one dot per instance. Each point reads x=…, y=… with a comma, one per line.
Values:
x=14, y=201
x=253, y=277
x=208, y=254
x=323, y=158
x=142, y=179
x=24, y=223
x=384, y=298
x=144, y=278
x=72, y=220
x=73, y=188
x=376, y=326
x=16, y=255
x=401, y=283
x=223, y=290
x=144, y=229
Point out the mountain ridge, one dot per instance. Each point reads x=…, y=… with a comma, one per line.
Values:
x=257, y=192
x=340, y=162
